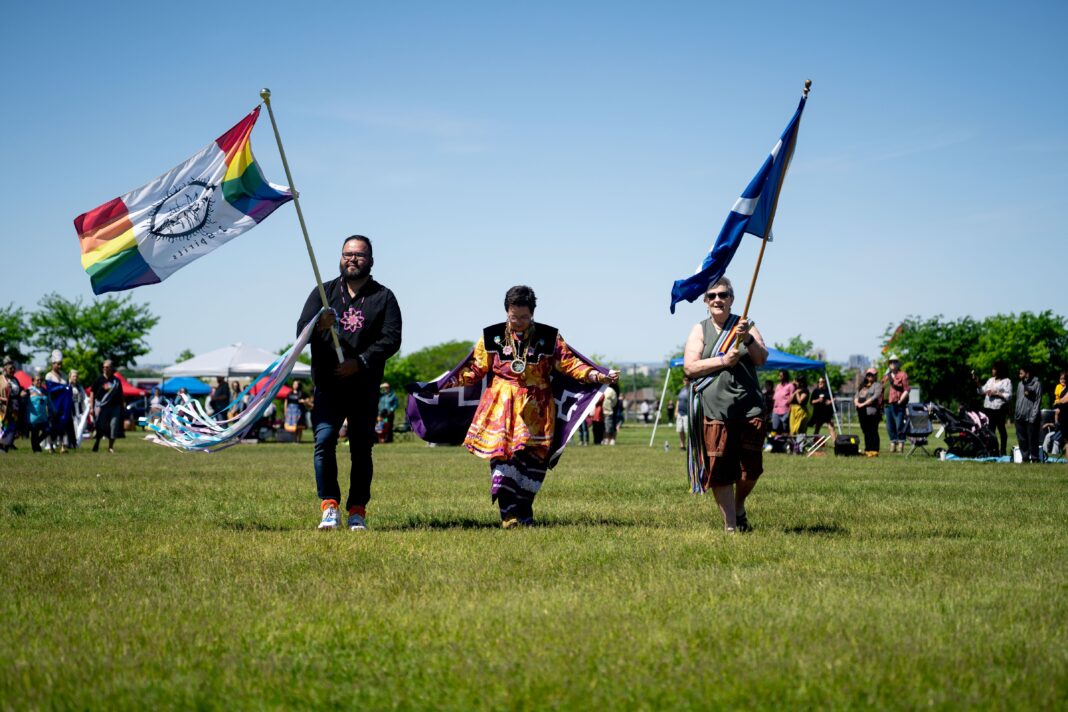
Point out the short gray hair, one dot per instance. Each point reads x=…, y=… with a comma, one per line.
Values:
x=722, y=280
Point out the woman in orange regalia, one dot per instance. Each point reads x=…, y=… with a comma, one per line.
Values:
x=513, y=426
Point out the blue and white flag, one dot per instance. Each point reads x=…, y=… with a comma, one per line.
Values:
x=752, y=213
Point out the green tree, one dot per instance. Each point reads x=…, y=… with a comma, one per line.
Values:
x=836, y=375
x=935, y=354
x=107, y=328
x=185, y=356
x=797, y=347
x=304, y=357
x=1040, y=340
x=399, y=373
x=15, y=334
x=430, y=362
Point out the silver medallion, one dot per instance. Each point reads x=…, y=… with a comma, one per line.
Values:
x=519, y=366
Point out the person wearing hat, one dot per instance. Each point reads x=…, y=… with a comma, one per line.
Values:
x=867, y=402
x=897, y=399
x=387, y=407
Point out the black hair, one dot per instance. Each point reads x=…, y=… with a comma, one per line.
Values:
x=520, y=296
x=361, y=238
x=1000, y=367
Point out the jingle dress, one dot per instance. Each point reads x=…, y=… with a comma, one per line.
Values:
x=513, y=426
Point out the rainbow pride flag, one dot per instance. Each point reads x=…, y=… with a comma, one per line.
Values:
x=150, y=233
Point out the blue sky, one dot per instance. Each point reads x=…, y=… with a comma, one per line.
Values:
x=588, y=149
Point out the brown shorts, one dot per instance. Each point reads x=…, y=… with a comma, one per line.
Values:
x=735, y=451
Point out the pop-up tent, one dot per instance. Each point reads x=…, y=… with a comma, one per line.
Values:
x=128, y=389
x=238, y=360
x=192, y=386
x=777, y=360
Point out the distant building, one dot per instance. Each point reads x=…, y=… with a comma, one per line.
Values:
x=859, y=361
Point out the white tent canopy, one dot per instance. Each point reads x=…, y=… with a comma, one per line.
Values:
x=236, y=361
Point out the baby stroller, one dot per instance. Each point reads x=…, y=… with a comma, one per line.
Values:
x=967, y=433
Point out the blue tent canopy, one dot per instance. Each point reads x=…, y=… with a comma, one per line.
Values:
x=193, y=386
x=778, y=360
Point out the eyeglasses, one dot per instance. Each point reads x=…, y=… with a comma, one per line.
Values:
x=718, y=295
x=353, y=256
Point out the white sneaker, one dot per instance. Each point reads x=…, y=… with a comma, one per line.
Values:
x=357, y=523
x=330, y=518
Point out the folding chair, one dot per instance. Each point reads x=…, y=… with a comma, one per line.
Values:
x=917, y=427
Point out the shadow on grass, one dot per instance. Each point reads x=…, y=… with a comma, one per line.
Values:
x=254, y=526
x=461, y=522
x=818, y=530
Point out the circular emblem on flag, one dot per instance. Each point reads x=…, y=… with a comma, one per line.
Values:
x=185, y=211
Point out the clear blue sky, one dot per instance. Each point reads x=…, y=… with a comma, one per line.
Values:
x=588, y=149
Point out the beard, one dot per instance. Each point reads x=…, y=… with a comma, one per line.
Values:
x=355, y=271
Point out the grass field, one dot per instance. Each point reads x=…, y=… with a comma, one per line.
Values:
x=155, y=579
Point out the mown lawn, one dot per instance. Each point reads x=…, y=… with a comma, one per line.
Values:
x=155, y=579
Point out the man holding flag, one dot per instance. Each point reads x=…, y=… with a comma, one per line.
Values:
x=369, y=329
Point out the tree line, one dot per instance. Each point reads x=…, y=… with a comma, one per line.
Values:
x=87, y=333
x=940, y=355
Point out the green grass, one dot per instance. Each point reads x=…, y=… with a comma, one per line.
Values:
x=155, y=579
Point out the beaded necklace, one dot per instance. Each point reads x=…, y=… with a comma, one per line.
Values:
x=515, y=347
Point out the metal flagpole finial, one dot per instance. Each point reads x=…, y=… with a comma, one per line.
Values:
x=808, y=85
x=265, y=93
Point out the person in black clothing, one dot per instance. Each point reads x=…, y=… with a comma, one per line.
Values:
x=107, y=404
x=369, y=328
x=822, y=409
x=219, y=399
x=867, y=402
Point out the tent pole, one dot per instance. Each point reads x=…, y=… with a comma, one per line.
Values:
x=656, y=422
x=834, y=408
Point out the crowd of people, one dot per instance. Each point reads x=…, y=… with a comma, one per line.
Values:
x=56, y=408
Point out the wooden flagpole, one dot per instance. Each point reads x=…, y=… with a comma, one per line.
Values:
x=265, y=94
x=771, y=219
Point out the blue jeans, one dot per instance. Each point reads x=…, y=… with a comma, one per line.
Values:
x=895, y=422
x=329, y=411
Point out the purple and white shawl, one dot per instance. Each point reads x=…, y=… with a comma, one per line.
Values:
x=442, y=416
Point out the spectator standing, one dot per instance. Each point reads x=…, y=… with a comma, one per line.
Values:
x=78, y=400
x=643, y=410
x=597, y=417
x=108, y=406
x=769, y=403
x=780, y=411
x=10, y=399
x=219, y=398
x=897, y=399
x=61, y=431
x=867, y=402
x=682, y=412
x=155, y=405
x=799, y=406
x=1028, y=415
x=296, y=410
x=1060, y=405
x=387, y=410
x=996, y=393
x=822, y=408
x=612, y=413
x=40, y=412
x=235, y=398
